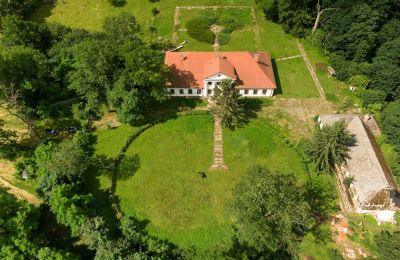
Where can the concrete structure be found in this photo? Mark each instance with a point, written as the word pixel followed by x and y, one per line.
pixel 197 74
pixel 374 187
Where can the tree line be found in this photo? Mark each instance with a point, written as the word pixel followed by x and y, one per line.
pixel 362 41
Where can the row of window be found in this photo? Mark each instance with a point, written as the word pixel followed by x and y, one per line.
pixel 180 91
pixel 255 92
pixel 209 91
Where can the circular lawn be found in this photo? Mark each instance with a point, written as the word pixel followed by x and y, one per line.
pixel 167 192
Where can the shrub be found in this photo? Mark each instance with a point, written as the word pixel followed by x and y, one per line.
pixel 224 38
pixel 155 11
pixel 117 3
pixel 373 96
pixel 348 181
pixel 199 29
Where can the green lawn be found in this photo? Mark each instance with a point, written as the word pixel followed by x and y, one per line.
pixel 274 40
pixel 294 80
pixel 90 14
pixel 335 90
pixel 241 40
pixel 166 190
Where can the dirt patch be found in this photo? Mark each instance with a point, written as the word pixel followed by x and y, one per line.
pixel 340 229
pixel 215 28
pixel 297 115
pixel 109 119
pixel 6 177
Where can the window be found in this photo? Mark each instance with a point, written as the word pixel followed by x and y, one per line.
pixel 199 91
pixel 209 92
pixel 255 91
pixel 181 91
pixel 209 83
pixel 190 92
pixel 264 92
pixel 246 91
pixel 172 91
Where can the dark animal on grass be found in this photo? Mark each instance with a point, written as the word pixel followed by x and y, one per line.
pixel 202 174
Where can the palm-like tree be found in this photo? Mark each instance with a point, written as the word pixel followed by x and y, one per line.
pixel 330 147
pixel 226 106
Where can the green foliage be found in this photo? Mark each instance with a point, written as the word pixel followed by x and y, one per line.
pixel 17 7
pixel 19 32
pixel 69 207
pixel 391 123
pixel 226 105
pixel 348 181
pixel 329 147
pixel 20 236
pixel 8 142
pixel 66 164
pixel 199 29
pixel 321 196
pixel 372 96
pixel 117 3
pixel 224 38
pixel 387 244
pixel 271 214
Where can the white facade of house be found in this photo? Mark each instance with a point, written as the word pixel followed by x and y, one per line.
pixel 213 81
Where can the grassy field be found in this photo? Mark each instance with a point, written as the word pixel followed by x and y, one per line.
pixel 294 80
pixel 90 14
pixel 167 191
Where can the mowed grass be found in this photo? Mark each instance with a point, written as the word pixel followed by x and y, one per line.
pixel 90 14
pixel 179 205
pixel 108 145
pixel 335 90
pixel 294 80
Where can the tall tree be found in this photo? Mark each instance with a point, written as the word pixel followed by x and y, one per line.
pixel 329 146
pixel 22 75
pixel 391 123
pixel 226 104
pixel 271 214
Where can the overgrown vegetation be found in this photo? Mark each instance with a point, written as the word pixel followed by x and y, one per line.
pixel 199 28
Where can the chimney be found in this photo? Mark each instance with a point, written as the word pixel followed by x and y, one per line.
pixel 183 57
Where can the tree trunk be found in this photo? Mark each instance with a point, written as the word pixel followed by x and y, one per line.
pixel 319 13
pixel 315 27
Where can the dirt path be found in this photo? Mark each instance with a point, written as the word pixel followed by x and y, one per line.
pixel 290 57
pixel 311 70
pixel 6 175
pixel 218 164
pixel 256 29
pixel 349 250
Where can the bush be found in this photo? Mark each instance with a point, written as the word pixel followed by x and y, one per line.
pixel 199 29
pixel 155 11
pixel 372 96
pixel 117 3
pixel 224 38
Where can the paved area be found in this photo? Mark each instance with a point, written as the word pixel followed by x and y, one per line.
pixel 218 164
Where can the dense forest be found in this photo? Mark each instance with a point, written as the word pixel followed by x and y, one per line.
pixel 49 71
pixel 362 41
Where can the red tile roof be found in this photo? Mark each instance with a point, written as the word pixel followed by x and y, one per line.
pixel 249 69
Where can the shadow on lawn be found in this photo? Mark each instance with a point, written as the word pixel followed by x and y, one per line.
pixel 43 10
pixel 278 89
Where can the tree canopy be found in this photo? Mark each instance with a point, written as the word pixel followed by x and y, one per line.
pixel 226 105
pixel 329 147
pixel 271 214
